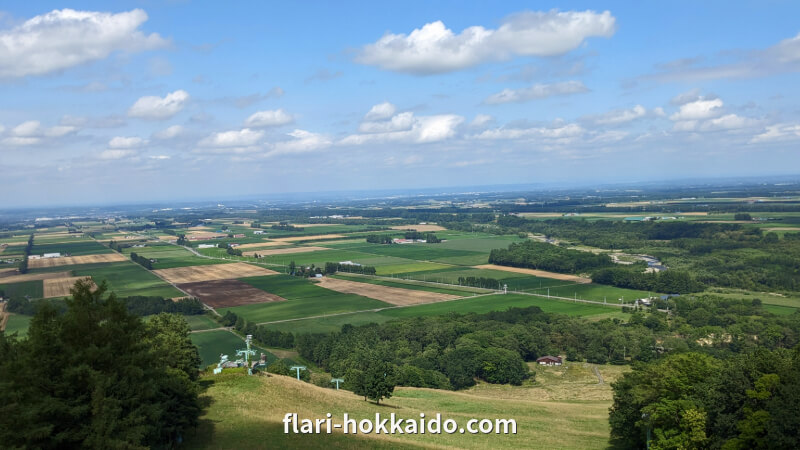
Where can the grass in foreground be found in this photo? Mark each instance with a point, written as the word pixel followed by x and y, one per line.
pixel 246 412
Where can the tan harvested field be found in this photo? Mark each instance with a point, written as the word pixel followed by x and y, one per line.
pixel 228 293
pixel 537 273
pixel 699 213
pixel 782 229
pixel 301 225
pixel 166 237
pixel 420 228
pixel 14 242
pixel 199 228
pixel 393 295
pixel 261 244
pixel 72 260
pixel 315 237
pixel 9 271
pixel 194 274
pixel 16 277
pixel 204 235
pixel 59 287
pixel 284 251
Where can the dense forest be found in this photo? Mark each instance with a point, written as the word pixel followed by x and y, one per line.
pixel 543 256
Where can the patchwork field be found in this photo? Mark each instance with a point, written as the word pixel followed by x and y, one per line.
pixel 13 276
pixel 537 273
pixel 316 237
pixel 74 260
pixel 193 274
pixel 394 295
pixel 127 278
pixel 262 244
pixel 59 287
pixel 284 251
pixel 228 293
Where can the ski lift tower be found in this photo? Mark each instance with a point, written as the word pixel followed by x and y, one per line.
pixel 247 352
pixel 505 289
pixel 222 360
pixel 298 369
pixel 337 381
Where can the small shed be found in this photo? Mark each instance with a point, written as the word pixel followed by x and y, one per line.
pixel 550 360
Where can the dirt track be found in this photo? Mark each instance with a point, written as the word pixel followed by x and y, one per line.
pixel 72 260
pixel 59 287
pixel 228 293
pixel 194 274
pixel 393 295
pixel 537 273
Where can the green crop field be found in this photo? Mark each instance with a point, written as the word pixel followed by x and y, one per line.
pixel 411 284
pixel 597 292
pixel 246 412
pixel 211 344
pixel 18 324
pixel 33 289
pixel 72 248
pixel 170 256
pixel 127 278
pixel 479 304
pixel 304 299
pixel 201 322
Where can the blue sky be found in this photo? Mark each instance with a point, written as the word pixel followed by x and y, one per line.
pixel 153 101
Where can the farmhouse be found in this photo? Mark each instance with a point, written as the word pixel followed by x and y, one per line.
pixel 550 360
pixel 258 232
pixel 238 235
pixel 348 263
pixel 46 255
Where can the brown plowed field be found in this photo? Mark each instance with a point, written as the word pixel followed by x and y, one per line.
pixel 228 293
pixel 72 260
pixel 420 228
pixel 537 273
pixel 261 244
pixel 194 274
pixel 59 287
pixel 284 251
pixel 16 277
pixel 388 294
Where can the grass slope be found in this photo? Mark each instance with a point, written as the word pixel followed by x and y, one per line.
pixel 246 412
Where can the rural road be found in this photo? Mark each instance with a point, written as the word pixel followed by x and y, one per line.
pixel 598 375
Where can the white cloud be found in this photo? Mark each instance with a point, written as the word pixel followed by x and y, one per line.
pixel 59 131
pixel 16 141
pixel 729 122
pixel 236 138
pixel 169 132
pixel 302 142
pixel 34 129
pixel 66 38
pixel 558 131
pixel 116 154
pixel 535 92
pixel 269 119
pixel 381 111
pixel 29 128
pixel 436 49
pixel 160 157
pixel 156 108
pixel 481 120
pixel 126 142
pixel 621 116
pixel 778 132
pixel 698 110
pixel 400 122
pixel 405 127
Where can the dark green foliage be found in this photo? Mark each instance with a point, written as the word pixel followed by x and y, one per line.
pixel 742 216
pixel 332 267
pixel 481 282
pixel 543 256
pixel 138 305
pixel 142 260
pixel 669 282
pixel 97 377
pixel 283 226
pixel 379 239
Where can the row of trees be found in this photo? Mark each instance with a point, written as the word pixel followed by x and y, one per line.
pixel 332 267
pixel 481 282
pixel 379 238
pixel 23 265
pixel 229 250
pixel 142 260
pixel 261 334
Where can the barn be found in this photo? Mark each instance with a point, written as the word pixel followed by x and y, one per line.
pixel 550 360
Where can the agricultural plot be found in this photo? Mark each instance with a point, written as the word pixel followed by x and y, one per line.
pixel 228 293
pixel 265 244
pixel 59 287
pixel 211 344
pixel 75 260
pixel 193 274
pixel 596 292
pixel 201 322
pixel 31 289
pixel 412 284
pixel 513 280
pixel 311 237
pixel 537 273
pixel 127 278
pixel 284 251
pixel 13 276
pixel 170 256
pixel 71 248
pixel 304 299
pixel 394 295
pixel 420 228
pixel 18 324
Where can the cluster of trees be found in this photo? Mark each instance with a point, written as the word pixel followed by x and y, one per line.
pixel 379 239
pixel 182 240
pixel 481 282
pixel 332 267
pixel 668 282
pixel 543 256
pixel 283 226
pixel 742 216
pixel 262 335
pixel 303 271
pixel 694 400
pixel 429 238
pixel 96 376
pixel 142 260
pixel 229 250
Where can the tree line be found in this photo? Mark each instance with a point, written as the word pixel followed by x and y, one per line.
pixel 142 260
pixel 138 305
pixel 23 265
pixel 543 256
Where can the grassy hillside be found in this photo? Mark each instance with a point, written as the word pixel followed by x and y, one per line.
pixel 246 412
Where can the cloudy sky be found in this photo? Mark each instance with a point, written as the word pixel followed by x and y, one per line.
pixel 148 101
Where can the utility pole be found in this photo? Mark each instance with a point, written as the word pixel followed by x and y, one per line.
pixel 298 369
